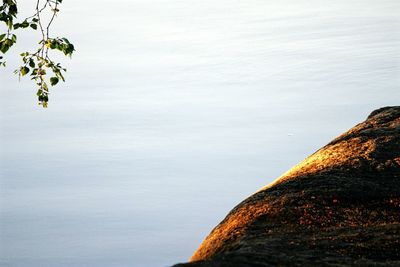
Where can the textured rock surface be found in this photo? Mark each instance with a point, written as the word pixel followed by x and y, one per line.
pixel 340 206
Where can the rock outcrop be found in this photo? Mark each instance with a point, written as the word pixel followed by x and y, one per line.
pixel 338 207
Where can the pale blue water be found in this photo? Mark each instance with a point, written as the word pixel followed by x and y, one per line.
pixel 173 112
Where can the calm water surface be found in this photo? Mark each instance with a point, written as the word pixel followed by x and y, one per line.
pixel 173 112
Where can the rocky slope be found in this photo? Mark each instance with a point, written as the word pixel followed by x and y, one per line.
pixel 340 206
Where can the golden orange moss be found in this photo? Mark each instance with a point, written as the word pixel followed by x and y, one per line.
pixel 347 152
pixel 232 227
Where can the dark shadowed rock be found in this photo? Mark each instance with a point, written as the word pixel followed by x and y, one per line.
pixel 340 206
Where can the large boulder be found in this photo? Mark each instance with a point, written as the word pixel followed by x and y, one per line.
pixel 340 206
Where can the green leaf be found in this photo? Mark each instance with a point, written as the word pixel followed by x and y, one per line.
pixel 34 26
pixel 31 63
pixel 53 81
pixel 24 24
pixel 12 9
pixel 52 44
pixel 61 76
pixel 4 46
pixel 24 70
pixel 2 36
pixel 10 24
pixel 44 86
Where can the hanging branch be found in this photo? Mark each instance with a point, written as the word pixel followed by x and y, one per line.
pixel 38 63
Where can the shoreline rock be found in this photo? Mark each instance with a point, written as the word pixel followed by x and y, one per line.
pixel 338 207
